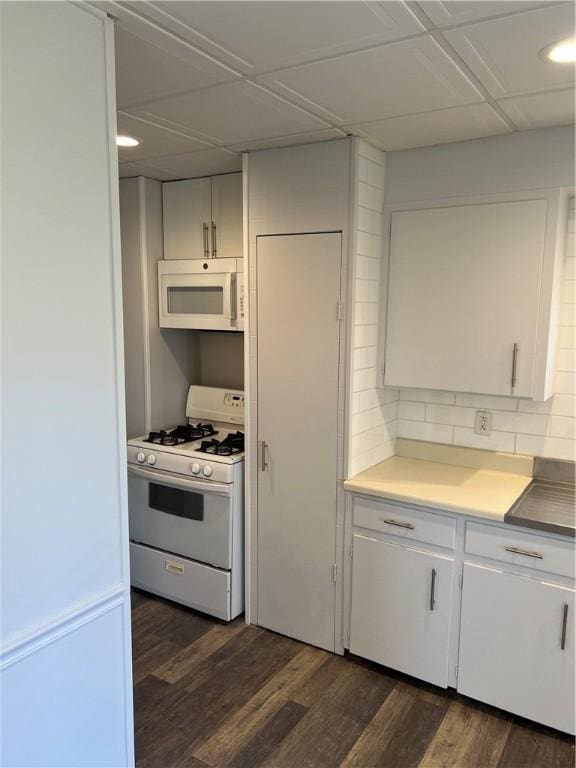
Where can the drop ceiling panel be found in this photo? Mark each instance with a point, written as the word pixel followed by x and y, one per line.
pixel 447 12
pixel 504 53
pixel 541 110
pixel 233 113
pixel 440 127
pixel 309 137
pixel 145 71
pixel 129 170
pixel 391 80
pixel 259 36
pixel 154 140
pixel 203 163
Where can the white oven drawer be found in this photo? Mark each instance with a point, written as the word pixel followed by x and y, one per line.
pixel 189 517
pixel 184 581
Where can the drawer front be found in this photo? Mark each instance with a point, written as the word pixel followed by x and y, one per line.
pixel 199 586
pixel 518 548
pixel 405 522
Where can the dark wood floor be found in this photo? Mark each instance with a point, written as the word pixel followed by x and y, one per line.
pixel 213 694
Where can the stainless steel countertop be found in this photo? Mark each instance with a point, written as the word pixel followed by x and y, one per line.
pixel 547 504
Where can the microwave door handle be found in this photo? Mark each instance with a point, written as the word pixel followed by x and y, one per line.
pixel 227 310
pixel 192 484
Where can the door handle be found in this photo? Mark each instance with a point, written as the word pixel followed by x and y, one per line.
pixel 214 249
pixel 398 523
pixel 263 462
pixel 564 626
pixel 525 552
pixel 433 589
pixel 205 240
pixel 514 377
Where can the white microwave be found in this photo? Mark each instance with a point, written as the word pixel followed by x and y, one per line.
pixel 201 294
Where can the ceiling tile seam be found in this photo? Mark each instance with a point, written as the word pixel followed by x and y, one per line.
pixel 543 92
pixel 166 129
pixel 473 22
pixel 414 114
pixel 464 68
pixel 127 15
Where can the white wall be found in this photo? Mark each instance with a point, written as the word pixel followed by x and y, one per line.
pixel 521 161
pixel 65 653
pixel 373 410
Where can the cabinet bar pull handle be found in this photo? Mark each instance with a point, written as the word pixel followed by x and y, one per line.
pixel 564 625
pixel 399 523
pixel 514 378
pixel 433 589
pixel 517 551
pixel 205 239
pixel 263 462
pixel 214 249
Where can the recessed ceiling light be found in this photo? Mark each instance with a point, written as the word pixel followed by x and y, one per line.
pixel 563 52
pixel 126 141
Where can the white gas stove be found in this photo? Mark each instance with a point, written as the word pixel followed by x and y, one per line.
pixel 185 494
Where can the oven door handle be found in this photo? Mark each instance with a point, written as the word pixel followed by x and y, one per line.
pixel 192 484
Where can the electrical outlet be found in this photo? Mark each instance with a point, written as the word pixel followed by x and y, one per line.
pixel 483 423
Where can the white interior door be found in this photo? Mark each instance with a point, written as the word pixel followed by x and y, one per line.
pixel 298 362
pixel 464 288
pixel 187 215
pixel 517 645
pixel 401 608
pixel 227 241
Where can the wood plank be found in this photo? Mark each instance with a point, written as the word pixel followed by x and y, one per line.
pixel 241 727
pixel 469 735
pixel 343 709
pixel 414 733
pixel 188 660
pixel 533 746
pixel 264 742
pixel 147 662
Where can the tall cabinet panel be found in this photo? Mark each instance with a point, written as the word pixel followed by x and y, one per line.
pixel 227 216
pixel 298 279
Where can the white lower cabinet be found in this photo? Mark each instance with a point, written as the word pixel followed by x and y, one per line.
pixel 517 645
pixel 401 608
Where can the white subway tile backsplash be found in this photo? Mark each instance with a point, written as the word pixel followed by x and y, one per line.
pixel 365 336
pixel 570 266
pixel 567 337
pixel 367 268
pixel 369 152
pixel 370 221
pixel 569 292
pixel 551 447
pixel 364 357
pixel 367 290
pixel 420 430
pixel 496 441
pixel 450 414
pixel 487 402
pixel 566 360
pixel 363 379
pixel 563 426
pixel 370 172
pixel 561 405
pixel 366 313
pixel 370 197
pixel 567 314
pixel 427 396
pixel 412 411
pixel 528 423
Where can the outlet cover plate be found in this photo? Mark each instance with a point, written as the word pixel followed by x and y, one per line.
pixel 483 423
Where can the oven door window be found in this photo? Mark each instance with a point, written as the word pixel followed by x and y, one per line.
pixel 175 501
pixel 196 300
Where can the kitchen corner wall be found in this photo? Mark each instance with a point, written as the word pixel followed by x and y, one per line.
pixel 518 426
pixel 373 410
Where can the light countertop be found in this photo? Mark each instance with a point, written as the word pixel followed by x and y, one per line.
pixel 475 491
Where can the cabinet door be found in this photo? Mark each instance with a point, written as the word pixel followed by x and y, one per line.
pixel 298 377
pixel 226 233
pixel 517 645
pixel 187 216
pixel 401 608
pixel 464 288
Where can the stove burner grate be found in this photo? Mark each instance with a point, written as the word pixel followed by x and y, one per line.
pixel 184 433
pixel 230 446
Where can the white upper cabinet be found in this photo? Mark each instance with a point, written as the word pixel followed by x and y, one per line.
pixel 473 294
pixel 203 217
pixel 226 231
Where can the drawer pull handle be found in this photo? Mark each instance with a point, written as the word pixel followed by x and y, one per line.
pixel 527 553
pixel 433 589
pixel 173 567
pixel 564 626
pixel 399 523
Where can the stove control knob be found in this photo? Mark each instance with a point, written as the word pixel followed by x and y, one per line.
pixel 195 468
pixel 207 470
pixel 151 459
pixel 141 457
